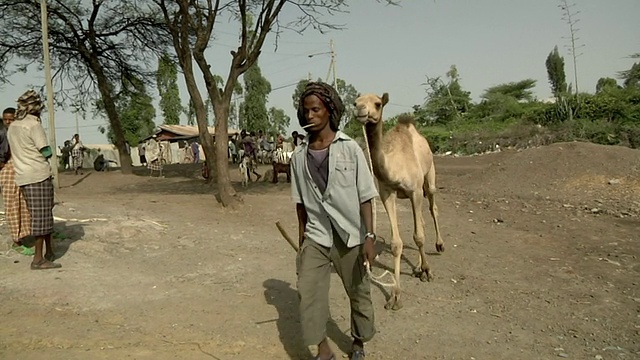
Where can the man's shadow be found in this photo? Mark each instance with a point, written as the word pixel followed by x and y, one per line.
pixel 286 301
pixel 63 236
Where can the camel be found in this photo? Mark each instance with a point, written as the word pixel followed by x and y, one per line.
pixel 403 164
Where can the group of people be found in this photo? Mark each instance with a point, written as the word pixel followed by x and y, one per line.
pixel 25 178
pixel 73 154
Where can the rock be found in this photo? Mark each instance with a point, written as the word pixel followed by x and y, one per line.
pixel 563 355
pixel 614 182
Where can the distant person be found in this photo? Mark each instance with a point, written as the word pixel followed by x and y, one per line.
pixel 101 164
pixel 250 150
pixel 66 154
pixel 233 151
pixel 141 153
pixel 31 152
pixel 77 154
pixel 195 147
pixel 16 212
pixel 294 138
pixel 154 156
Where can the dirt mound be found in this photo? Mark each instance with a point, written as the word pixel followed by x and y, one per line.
pixel 583 174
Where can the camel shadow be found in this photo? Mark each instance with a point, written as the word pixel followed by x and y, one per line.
pixel 285 299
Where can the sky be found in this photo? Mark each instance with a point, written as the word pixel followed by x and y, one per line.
pixel 394 48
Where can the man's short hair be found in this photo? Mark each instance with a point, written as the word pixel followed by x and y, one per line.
pixel 9 110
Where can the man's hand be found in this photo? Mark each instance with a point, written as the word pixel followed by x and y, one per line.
pixel 369 250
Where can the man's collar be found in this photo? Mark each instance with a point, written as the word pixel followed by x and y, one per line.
pixel 339 136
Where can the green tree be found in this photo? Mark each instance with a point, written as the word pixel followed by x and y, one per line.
pixel 631 77
pixel 136 112
pixel 446 102
pixel 191 24
pixel 278 121
pixel 253 111
pixel 504 101
pixel 190 112
pixel 94 44
pixel 167 82
pixel 606 83
pixel 520 90
pixel 555 72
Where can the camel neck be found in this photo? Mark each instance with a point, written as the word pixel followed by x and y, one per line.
pixel 374 137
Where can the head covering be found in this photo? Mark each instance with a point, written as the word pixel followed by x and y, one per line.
pixel 329 97
pixel 29 104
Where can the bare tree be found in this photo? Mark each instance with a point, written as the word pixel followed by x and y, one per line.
pixel 192 22
pixel 570 18
pixel 94 45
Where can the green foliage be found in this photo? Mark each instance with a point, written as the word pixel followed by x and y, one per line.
pixel 190 112
pixel 446 102
pixel 136 111
pixel 278 121
pixel 167 82
pixel 606 83
pixel 556 74
pixel 519 91
pixel 253 111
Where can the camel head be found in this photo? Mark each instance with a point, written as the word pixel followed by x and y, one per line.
pixel 368 108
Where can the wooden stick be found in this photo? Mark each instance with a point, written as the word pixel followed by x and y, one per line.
pixel 293 244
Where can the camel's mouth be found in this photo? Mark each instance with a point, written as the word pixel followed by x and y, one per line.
pixel 363 119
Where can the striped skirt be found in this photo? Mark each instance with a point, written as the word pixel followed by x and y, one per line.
pixel 39 197
pixel 155 165
pixel 15 207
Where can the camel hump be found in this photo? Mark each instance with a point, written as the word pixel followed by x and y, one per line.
pixel 407 119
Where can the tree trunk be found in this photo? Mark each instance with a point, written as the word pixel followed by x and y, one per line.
pixel 114 118
pixel 228 195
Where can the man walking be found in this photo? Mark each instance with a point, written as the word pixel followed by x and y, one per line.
pixel 332 188
pixel 30 153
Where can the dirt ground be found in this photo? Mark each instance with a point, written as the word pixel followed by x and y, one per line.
pixel 541 261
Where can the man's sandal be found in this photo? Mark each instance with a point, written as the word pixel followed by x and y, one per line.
pixel 44 264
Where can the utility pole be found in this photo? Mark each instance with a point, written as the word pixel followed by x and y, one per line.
pixel 49 83
pixel 77 125
pixel 332 65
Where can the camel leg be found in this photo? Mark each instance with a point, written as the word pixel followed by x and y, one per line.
pixel 430 191
pixel 389 201
pixel 423 271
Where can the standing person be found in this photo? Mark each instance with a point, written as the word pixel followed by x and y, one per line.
pixel 15 206
pixel 77 154
pixel 332 188
pixel 30 152
pixel 196 151
pixel 141 153
pixel 154 156
pixel 233 153
pixel 249 145
pixel 66 154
